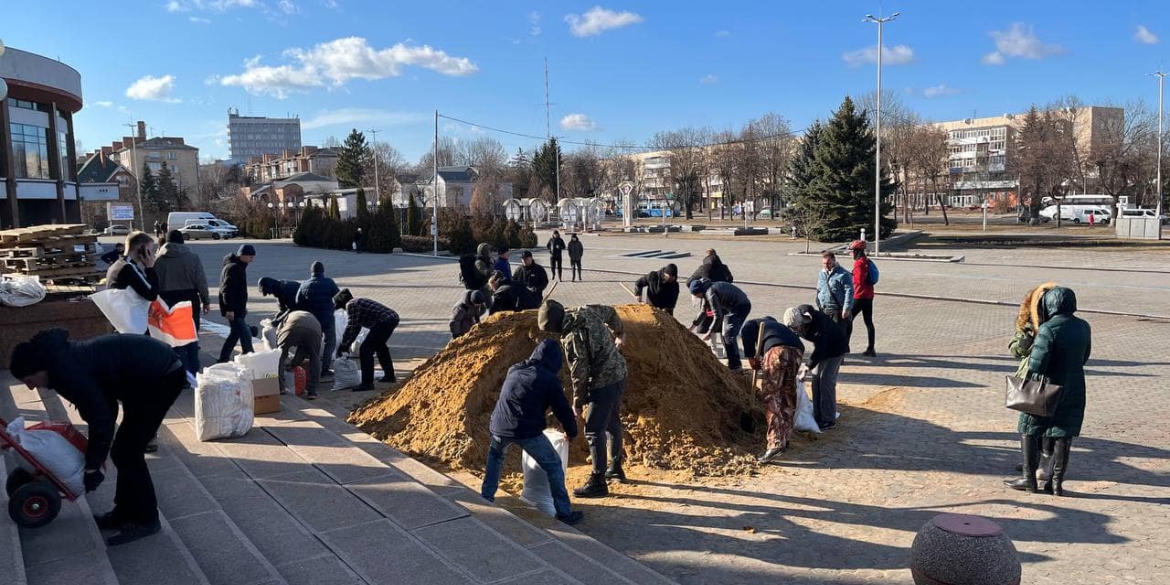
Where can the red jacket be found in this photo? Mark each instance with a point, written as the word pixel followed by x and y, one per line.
pixel 862 289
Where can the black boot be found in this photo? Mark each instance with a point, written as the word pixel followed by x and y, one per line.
pixel 594 488
pixel 1044 471
pixel 616 472
pixel 1031 448
pixel 1060 453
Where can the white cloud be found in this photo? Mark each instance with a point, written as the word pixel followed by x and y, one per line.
pixel 210 5
pixel 598 20
pixel 534 23
pixel 104 104
pixel 1144 36
pixel 338 61
pixel 722 34
pixel 1019 41
pixel 287 7
pixel 176 6
pixel 896 55
pixel 199 20
pixel 153 88
pixel 941 89
pixel 331 4
pixel 578 122
pixel 709 79
pixel 362 117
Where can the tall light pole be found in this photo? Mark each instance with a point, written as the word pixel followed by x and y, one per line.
pixel 135 173
pixel 435 188
pixel 1158 208
pixel 377 182
pixel 877 178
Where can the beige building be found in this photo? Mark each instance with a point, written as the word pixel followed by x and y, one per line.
pixel 182 159
pixel 309 159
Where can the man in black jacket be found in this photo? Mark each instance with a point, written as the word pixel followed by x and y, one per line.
pixel 233 300
pixel 142 374
pixel 713 269
pixel 181 278
pixel 285 292
pixel 661 288
pixel 316 296
pixel 829 348
pixel 531 275
pixel 556 246
pixel 530 390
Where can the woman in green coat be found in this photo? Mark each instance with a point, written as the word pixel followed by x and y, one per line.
pixel 1062 346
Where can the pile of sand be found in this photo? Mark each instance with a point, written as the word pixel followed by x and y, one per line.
pixel 681 409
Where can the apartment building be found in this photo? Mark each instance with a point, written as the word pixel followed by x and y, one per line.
pixel 181 158
pixel 250 136
pixel 308 159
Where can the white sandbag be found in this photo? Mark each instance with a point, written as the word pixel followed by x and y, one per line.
pixel 268 334
pixel 339 321
pixel 223 402
pixel 261 364
pixel 347 373
pixel 537 492
pixel 18 290
pixel 52 451
pixel 805 421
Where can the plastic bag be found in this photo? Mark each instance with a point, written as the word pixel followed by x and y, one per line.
pixel 52 451
pixel 537 492
pixel 223 402
pixel 18 290
pixel 126 310
pixel 347 373
pixel 804 411
pixel 268 334
pixel 260 364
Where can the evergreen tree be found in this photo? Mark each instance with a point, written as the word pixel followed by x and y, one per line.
pixel 168 193
pixel 837 187
pixel 544 165
pixel 363 209
pixel 413 216
pixel 334 210
pixel 351 162
pixel 151 199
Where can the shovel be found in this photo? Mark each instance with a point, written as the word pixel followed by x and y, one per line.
pixel 747 419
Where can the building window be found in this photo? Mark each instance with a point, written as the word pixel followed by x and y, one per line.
pixel 30 151
pixel 27 105
pixel 63 155
pixel 170 156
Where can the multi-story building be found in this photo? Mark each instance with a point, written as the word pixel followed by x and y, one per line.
pixel 181 159
pixel 37 153
pixel 250 136
pixel 309 159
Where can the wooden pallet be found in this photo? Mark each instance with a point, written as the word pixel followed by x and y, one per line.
pixel 50 242
pixel 70 273
pixel 37 264
pixel 47 253
pixel 38 233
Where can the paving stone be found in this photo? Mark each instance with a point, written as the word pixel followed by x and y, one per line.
pixel 82 568
pixel 279 537
pixel 545 577
pixel 261 455
pixel 381 552
pixel 321 570
pixel 178 494
pixel 407 503
pixel 478 549
pixel 614 560
pixel 318 502
pixel 328 452
pixel 69 534
pixel 495 517
pixel 160 558
pixel 576 564
pixel 224 557
pixel 202 459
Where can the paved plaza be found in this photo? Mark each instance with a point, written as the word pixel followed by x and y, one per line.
pixel 923 429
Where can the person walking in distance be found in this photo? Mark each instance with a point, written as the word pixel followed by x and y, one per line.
pixel 835 293
pixel 316 296
pixel 864 279
pixel 1062 347
pixel 576 250
pixel 779 357
pixel 531 389
pixel 233 300
pixel 729 309
pixel 181 278
pixel 555 245
pixel 661 288
pixel 300 329
pixel 829 349
pixel 592 336
pixel 381 321
pixel 141 375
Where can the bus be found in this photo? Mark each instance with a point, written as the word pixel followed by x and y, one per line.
pixel 1077 208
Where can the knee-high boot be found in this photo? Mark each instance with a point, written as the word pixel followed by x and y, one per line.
pixel 1044 471
pixel 1030 445
pixel 1060 453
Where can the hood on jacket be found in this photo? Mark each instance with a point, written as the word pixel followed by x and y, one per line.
pixel 1031 310
pixel 174 250
pixel 547 356
pixel 1060 301
pixel 269 286
pixel 473 297
pixel 232 259
pixel 39 353
pixel 484 250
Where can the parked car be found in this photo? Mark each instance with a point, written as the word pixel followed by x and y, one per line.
pixel 116 230
pixel 1078 213
pixel 225 229
pixel 1139 212
pixel 199 232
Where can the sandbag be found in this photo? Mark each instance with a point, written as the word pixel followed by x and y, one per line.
pixel 347 373
pixel 126 310
pixel 260 364
pixel 268 334
pixel 18 290
pixel 537 492
pixel 223 402
pixel 52 451
pixel 805 421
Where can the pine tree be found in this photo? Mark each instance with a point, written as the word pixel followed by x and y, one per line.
pixel 334 210
pixel 413 216
pixel 168 193
pixel 151 196
pixel 363 209
pixel 838 186
pixel 544 165
pixel 350 163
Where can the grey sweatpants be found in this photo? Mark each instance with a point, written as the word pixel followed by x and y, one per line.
pixel 824 390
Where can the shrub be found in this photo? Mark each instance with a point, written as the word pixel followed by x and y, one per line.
pixel 527 237
pixel 383 234
pixel 422 244
pixel 512 234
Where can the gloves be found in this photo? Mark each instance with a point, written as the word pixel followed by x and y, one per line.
pixel 93 479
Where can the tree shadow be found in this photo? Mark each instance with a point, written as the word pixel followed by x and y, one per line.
pixel 986 363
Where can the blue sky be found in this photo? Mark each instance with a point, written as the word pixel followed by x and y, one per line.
pixel 620 70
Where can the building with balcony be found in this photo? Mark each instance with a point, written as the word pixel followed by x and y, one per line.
pixel 181 159
pixel 309 159
pixel 37 154
pixel 250 136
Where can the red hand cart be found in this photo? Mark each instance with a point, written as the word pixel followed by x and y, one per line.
pixel 34 498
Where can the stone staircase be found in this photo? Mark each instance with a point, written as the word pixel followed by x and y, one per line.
pixel 304 498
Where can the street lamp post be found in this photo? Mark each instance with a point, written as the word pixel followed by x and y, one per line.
pixel 1158 208
pixel 377 182
pixel 877 179
pixel 135 173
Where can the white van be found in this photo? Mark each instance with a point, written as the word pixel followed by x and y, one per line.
pixel 177 219
pixel 1078 213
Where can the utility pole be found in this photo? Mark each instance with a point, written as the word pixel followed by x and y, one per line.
pixel 435 189
pixel 377 182
pixel 1158 208
pixel 877 175
pixel 135 173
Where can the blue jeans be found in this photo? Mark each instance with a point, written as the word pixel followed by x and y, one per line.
pixel 540 449
pixel 330 331
pixel 238 331
pixel 732 323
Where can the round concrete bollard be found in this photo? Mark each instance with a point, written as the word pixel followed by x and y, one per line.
pixel 959 549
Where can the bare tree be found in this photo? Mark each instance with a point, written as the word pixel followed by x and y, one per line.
pixel 924 151
pixel 688 165
pixel 1045 157
pixel 776 146
pixel 725 160
pixel 447 149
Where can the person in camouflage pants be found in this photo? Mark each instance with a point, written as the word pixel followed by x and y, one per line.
pixel 592 336
pixel 780 355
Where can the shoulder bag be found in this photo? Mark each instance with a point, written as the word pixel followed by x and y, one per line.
pixel 1035 397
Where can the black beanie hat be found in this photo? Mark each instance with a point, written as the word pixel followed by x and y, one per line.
pixel 317 269
pixel 174 237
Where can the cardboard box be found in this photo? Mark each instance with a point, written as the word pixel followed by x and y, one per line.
pixel 267 395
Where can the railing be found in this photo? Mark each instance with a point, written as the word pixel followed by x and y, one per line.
pixel 280 233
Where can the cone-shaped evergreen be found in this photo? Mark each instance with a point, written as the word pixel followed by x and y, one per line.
pixel 350 172
pixel 836 186
pixel 363 209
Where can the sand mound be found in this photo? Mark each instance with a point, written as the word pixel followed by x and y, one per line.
pixel 680 412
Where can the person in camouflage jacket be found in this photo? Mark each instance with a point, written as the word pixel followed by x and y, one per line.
pixel 592 336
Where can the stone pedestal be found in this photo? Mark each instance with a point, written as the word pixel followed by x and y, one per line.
pixel 958 549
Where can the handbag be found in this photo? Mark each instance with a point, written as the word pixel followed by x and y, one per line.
pixel 1035 397
pixel 127 311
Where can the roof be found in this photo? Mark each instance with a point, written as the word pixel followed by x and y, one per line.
pixel 462 174
pixel 160 143
pixel 307 178
pixel 406 178
pixel 98 169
